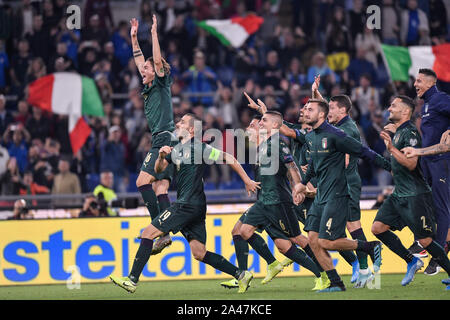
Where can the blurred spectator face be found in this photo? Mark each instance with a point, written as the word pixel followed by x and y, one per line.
pixel 294 92
pixel 17 136
pixel 107 108
pixel 2 102
pixel 412 4
pixel 37 113
pixel 37 65
pixel 28 178
pixel 288 37
pixel 198 111
pixel 115 135
pixel 199 60
pixel 272 58
pixel 294 67
pixel 357 5
pixel 37 23
pixel 48 6
pixel 63 166
pixel 240 8
pixel 319 59
pixel 148 73
pixel 61 48
pixel 270 102
pixel 339 14
pixel 22 107
pixel 109 47
pixel 60 64
pixel 33 152
pixel 107 179
pixel 226 94
pixel 90 56
pixel 94 21
pixel 25 3
pixel 170 3
pixel 387 2
pixel 23 46
pixel 364 82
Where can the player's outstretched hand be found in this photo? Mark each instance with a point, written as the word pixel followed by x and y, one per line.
pixel 445 138
pixel 134 27
pixel 316 83
pixel 251 186
pixel 252 104
pixel 165 151
pixel 154 25
pixel 262 105
pixel 410 152
pixel 387 139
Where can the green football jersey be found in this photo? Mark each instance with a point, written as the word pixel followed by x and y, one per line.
pixel 158 105
pixel 273 155
pixel 407 183
pixel 189 159
pixel 328 146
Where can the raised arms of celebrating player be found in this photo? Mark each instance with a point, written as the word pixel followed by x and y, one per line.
pixel 139 58
pixel 156 49
pixel 442 147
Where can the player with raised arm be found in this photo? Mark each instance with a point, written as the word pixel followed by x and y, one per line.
pixel 327 217
pixel 188 213
pixel 339 116
pixel 155 72
pixel 411 203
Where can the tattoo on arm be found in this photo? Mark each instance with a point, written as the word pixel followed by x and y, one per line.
pixel 293 174
pixel 436 149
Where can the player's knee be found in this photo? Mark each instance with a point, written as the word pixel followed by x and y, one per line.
pixel 378 228
pixel 161 187
pixel 144 179
pixel 246 232
pixel 236 229
pixel 198 252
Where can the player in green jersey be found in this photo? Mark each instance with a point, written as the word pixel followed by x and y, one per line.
pixel 326 221
pixel 411 203
pixel 339 116
pixel 188 213
pixel 155 72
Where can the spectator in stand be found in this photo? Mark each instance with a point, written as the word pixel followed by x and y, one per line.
pixel 414 28
pixel 116 67
pixel 36 70
pixel 80 167
pixel 105 193
pixel 95 31
pixel 87 57
pixel 66 182
pixel 4 65
pixel 71 38
pixel 200 79
pixel 320 67
pixel 370 43
pixel 50 18
pixel 38 37
pixel 359 66
pixel 364 95
pixel 38 125
pixel 9 181
pixel 113 156
pixel 129 77
pixel 4 159
pixel 122 43
pixel 338 38
pixel 17 145
pixel 23 19
pixel 61 52
pixel 296 73
pixel 5 116
pixel 145 144
pixel 102 10
pixel 246 61
pixel 438 19
pixel 265 32
pixel 29 187
pixel 357 17
pixel 271 72
pixel 20 63
pixel 104 87
pixel 225 107
pixel 90 208
pixel 20 212
pixel 390 20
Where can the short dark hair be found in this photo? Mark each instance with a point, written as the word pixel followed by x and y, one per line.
pixel 323 105
pixel 343 101
pixel 428 72
pixel 257 117
pixel 408 101
pixel 276 114
pixel 193 118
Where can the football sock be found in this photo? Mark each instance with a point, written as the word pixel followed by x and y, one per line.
pixel 348 255
pixel 142 256
pixel 311 254
pixel 438 253
pixel 358 234
pixel 241 249
pixel 299 256
pixel 393 242
pixel 163 202
pixel 334 278
pixel 150 200
pixel 260 246
pixel 220 263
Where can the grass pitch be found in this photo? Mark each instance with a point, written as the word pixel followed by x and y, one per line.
pixel 281 288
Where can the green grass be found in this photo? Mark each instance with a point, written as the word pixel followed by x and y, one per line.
pixel 281 288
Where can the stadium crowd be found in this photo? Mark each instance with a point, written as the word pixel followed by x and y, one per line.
pixel 277 65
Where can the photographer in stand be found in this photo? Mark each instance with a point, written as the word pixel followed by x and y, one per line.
pixel 20 211
pixel 91 208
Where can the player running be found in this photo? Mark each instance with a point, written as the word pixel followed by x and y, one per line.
pixel 155 72
pixel 411 203
pixel 188 213
pixel 339 116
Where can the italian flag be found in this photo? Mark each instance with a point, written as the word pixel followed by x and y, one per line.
pixel 233 31
pixel 68 94
pixel 403 62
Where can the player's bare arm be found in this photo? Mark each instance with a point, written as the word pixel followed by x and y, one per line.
pixel 156 49
pixel 161 163
pixel 298 189
pixel 139 58
pixel 442 147
pixel 250 185
pixel 409 163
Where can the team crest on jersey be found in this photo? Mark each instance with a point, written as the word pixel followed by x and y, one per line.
pixel 396 138
pixel 286 150
pixel 324 143
pixel 412 142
